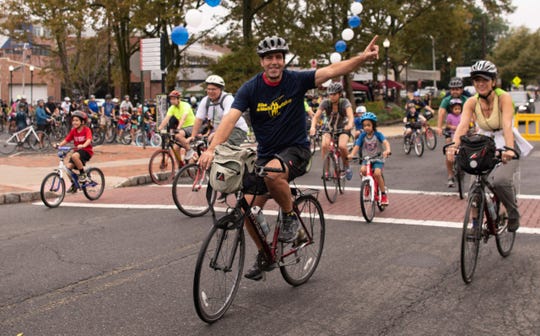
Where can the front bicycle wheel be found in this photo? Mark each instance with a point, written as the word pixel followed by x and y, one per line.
pixel 418 144
pixel 93 189
pixel 155 140
pixel 407 144
pixel 161 167
pixel 53 190
pixel 110 134
pixel 313 144
pixel 218 270
pixel 431 138
pixel 367 200
pixel 503 238
pixel 190 191
pixel 472 234
pixel 330 177
pixel 342 176
pixel 140 139
pixel 298 264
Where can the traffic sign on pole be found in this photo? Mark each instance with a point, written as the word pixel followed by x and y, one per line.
pixel 150 51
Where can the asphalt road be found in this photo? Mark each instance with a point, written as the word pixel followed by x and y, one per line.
pixel 118 271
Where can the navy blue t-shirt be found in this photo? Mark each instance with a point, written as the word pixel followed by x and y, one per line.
pixel 277 113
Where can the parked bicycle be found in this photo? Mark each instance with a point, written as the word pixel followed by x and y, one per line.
pixel 53 186
pixel 482 201
pixel 164 162
pixel 414 140
pixel 333 169
pixel 221 258
pixel 370 195
pixel 25 138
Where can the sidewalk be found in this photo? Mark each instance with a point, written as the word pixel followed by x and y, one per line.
pixel 21 173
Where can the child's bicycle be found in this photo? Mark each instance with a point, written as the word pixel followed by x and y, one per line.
pixel 415 139
pixel 370 195
pixel 459 174
pixel 430 137
pixel 333 169
pixel 53 186
pixel 482 201
pixel 221 258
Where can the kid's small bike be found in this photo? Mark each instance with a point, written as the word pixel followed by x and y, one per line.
pixel 53 186
pixel 414 140
pixel 370 195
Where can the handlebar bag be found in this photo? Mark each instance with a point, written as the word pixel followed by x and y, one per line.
pixel 476 154
pixel 229 165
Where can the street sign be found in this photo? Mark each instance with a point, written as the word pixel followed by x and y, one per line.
pixel 150 54
pixel 516 81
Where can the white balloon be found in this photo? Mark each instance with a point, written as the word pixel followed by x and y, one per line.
pixel 193 18
pixel 335 57
pixel 356 8
pixel 347 34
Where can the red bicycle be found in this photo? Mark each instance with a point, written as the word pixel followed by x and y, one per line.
pixel 333 169
pixel 370 195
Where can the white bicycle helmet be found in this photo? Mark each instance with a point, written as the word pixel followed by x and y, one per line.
pixel 484 69
pixel 334 87
pixel 455 83
pixel 272 44
pixel 216 80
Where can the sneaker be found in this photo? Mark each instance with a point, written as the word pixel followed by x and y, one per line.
pixel 384 199
pixel 189 154
pixel 255 273
pixel 83 178
pixel 451 182
pixel 513 224
pixel 289 228
pixel 348 174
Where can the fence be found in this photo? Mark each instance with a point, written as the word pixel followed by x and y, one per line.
pixel 531 129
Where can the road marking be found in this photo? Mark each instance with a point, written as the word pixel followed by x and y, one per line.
pixel 345 218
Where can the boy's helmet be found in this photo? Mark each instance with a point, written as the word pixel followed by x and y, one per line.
pixel 369 116
pixel 175 93
pixel 81 115
pixel 361 109
pixel 272 44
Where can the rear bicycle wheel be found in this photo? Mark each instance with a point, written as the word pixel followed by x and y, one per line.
pixel 367 200
pixel 155 140
pixel 218 270
pixel 161 167
pixel 504 239
pixel 471 234
pixel 52 190
pixel 190 191
pixel 93 189
pixel 431 138
pixel 330 177
pixel 110 134
pixel 298 264
pixel 418 143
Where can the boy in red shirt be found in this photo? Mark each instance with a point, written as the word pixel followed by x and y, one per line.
pixel 81 136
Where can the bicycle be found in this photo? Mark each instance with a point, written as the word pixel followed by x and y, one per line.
pixel 370 194
pixel 415 139
pixel 221 258
pixel 191 190
pixel 459 174
pixel 482 201
pixel 27 137
pixel 162 164
pixel 333 169
pixel 53 186
pixel 148 136
pixel 98 135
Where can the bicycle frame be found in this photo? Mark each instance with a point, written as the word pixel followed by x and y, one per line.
pixel 372 181
pixel 62 168
pixel 29 131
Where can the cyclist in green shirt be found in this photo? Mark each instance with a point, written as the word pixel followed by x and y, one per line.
pixel 180 116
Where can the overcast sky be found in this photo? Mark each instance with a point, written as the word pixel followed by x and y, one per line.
pixel 526 14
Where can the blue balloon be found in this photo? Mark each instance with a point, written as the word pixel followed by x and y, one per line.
pixel 179 35
pixel 357 0
pixel 341 46
pixel 354 21
pixel 213 3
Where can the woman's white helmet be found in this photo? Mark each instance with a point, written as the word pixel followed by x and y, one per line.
pixel 216 80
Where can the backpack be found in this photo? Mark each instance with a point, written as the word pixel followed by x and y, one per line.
pixel 476 154
pixel 209 103
pixel 229 165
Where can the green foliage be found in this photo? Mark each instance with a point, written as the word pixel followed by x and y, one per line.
pixel 385 115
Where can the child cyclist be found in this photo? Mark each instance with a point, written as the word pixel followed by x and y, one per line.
pixel 81 135
pixel 370 143
pixel 412 117
pixel 452 121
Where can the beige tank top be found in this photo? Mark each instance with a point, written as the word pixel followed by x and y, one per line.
pixel 494 122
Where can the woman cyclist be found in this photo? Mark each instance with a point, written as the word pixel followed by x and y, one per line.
pixel 493 110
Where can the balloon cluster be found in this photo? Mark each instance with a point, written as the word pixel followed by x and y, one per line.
pixel 194 17
pixel 347 34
